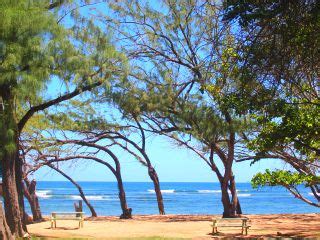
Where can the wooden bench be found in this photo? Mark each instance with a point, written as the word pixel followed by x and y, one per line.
pixel 79 216
pixel 230 222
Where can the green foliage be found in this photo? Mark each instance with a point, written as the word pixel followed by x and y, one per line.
pixel 28 36
pixel 283 178
pixel 281 58
pixel 182 42
pixel 291 125
pixel 36 52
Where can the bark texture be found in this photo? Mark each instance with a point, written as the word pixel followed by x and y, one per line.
pixel 9 153
pixel 126 212
pixel 31 196
pixel 154 177
pixel 5 232
pixel 20 191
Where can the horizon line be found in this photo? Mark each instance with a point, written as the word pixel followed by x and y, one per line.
pixel 131 181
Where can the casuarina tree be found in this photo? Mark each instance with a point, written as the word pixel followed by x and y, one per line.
pixel 35 51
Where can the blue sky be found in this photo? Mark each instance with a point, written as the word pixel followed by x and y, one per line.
pixel 172 163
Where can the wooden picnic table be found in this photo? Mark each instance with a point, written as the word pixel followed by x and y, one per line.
pixel 66 216
pixel 229 223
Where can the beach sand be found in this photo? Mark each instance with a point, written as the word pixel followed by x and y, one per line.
pixel 181 226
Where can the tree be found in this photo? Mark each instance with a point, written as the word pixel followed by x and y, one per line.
pixel 82 195
pixel 5 232
pixel 34 50
pixel 281 56
pixel 185 62
pixel 55 150
pixel 29 190
pixel 125 136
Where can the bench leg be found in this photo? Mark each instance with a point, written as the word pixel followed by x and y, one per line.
pixel 53 223
pixel 214 227
pixel 80 223
pixel 214 230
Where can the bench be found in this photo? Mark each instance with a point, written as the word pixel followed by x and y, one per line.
pixel 230 222
pixel 79 216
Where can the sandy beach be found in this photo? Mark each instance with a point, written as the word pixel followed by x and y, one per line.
pixel 181 226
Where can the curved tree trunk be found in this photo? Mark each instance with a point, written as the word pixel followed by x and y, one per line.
pixel 11 199
pixel 92 210
pixel 30 194
pixel 231 207
pixel 233 191
pixel 5 232
pixel 227 212
pixel 234 199
pixel 9 151
pixel 20 191
pixel 232 188
pixel 126 212
pixel 154 177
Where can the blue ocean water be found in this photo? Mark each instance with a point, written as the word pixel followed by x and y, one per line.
pixel 179 198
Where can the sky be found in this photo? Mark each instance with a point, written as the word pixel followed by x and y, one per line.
pixel 173 164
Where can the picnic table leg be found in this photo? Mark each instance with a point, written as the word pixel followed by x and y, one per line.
pixel 244 227
pixel 214 227
pixel 81 221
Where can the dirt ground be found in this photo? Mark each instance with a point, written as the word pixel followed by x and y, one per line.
pixel 182 226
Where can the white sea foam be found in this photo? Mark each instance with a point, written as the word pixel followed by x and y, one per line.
pixel 163 191
pixel 244 195
pixel 209 191
pixel 90 197
pixel 219 191
pixel 44 193
pixel 311 194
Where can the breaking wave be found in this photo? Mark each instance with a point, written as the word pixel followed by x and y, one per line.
pixel 91 197
pixel 163 191
pixel 44 193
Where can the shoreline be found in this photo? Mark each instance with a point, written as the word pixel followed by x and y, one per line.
pixel 182 226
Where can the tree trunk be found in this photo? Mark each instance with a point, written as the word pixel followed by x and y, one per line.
pixel 9 151
pixel 30 194
pixel 234 200
pixel 20 190
pixel 233 189
pixel 227 213
pixel 92 210
pixel 230 207
pixel 5 232
pixel 126 212
pixel 11 199
pixel 231 186
pixel 154 177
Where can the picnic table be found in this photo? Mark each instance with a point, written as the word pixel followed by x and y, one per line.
pixel 79 216
pixel 230 223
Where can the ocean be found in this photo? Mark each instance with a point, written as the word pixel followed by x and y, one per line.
pixel 179 198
